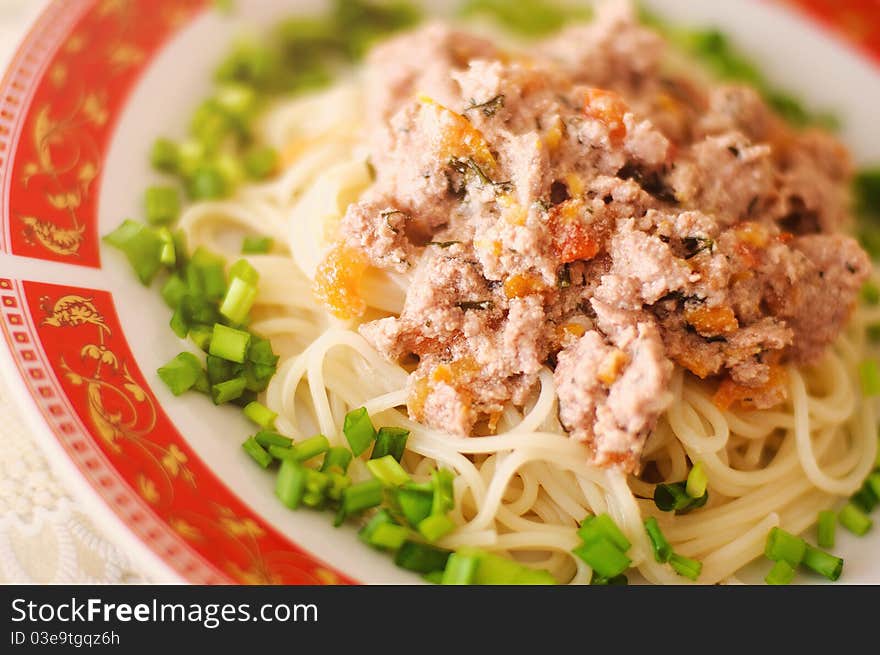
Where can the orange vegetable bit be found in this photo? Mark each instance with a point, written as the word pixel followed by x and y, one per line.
pixel 711 321
pixel 523 284
pixel 337 281
pixel 771 393
pixel 458 374
pixel 574 237
pixel 459 138
pixel 608 108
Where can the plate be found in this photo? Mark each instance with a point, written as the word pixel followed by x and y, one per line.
pixel 90 87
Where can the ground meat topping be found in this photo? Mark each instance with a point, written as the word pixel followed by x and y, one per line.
pixel 579 209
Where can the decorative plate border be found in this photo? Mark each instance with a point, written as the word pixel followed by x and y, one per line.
pixel 70 349
pixel 67 343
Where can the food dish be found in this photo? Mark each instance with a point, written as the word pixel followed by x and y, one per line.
pixel 523 486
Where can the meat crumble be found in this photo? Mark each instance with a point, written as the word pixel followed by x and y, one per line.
pixel 581 207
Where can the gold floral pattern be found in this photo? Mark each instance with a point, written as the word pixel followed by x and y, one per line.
pixel 119 408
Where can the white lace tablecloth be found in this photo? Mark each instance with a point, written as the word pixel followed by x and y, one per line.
pixel 44 538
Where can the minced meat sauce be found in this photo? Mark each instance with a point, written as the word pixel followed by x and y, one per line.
pixel 580 207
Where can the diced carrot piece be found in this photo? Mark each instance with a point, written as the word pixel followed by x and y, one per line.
pixel 459 137
pixel 774 391
pixel 712 321
pixel 608 108
pixel 522 284
pixel 573 237
pixel 337 281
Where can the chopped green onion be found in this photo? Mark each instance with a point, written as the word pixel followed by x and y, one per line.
pixel 603 556
pixel 260 162
pixel 229 344
pixel 161 204
pixel 444 491
pixel 338 484
pixel 191 155
pixel 260 414
pixel 389 535
pixel 603 527
pixel 238 101
pixel 246 398
pixel 388 471
pixel 224 392
pixel 173 291
pixel 361 496
pixel 434 577
pixel 167 255
pixel 696 481
pixel 251 63
pixel 415 503
pixel 256 451
pixel 202 385
pixel 178 238
pixel 260 352
pixel 142 247
pixel 256 245
pixel 268 438
pixel 238 301
pixel 243 269
pixel 207 183
pixel 494 569
pixel 460 569
pixel 390 441
pixel 421 558
pixel 854 520
pixel 382 517
pixel 358 430
pixel 782 545
pixel 869 372
pixel 316 486
pixel 865 499
pixel 165 156
pixel 337 460
pixel 178 323
pixel 311 447
pixel 282 452
pixel 825 529
pixel 206 275
pixel 197 309
pixel 258 376
pixel 825 564
pixel 685 566
pixel 662 548
pixel 211 125
pixel 526 17
pixel 674 497
pixel 201 336
pixel 782 573
pixel 872 482
pixel 181 373
pixel 220 370
pixel 436 526
pixel 290 485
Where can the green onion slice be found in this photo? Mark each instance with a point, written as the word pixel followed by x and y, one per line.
pixel 782 573
pixel 662 548
pixel 358 430
pixel 782 545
